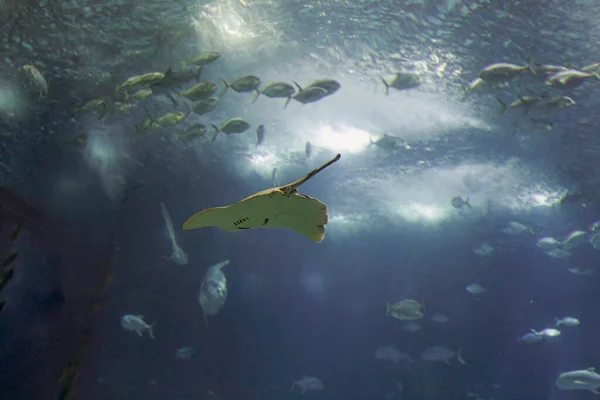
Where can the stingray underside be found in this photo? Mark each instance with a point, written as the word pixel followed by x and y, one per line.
pixel 267 209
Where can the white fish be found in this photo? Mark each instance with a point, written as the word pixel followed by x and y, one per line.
pixel 439 318
pixel 391 353
pixel 213 291
pixel 307 383
pixel 516 228
pixel 548 243
pixel 441 354
pixel 136 323
pixel 184 353
pixel 582 271
pixel 559 253
pixel 475 288
pixel 531 337
pixel 411 326
pixel 484 250
pixel 568 321
pixel 574 239
pixel 549 333
pixel 178 256
pixel 585 379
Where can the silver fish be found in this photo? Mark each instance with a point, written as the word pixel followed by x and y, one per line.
pixel 213 291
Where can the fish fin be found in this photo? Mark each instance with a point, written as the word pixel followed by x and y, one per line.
pixel 459 357
pixel 216 132
pixel 183 64
pixel 151 330
pixel 103 111
pixel 256 97
pixel 466 92
pixel 173 99
pixel 225 85
pixel 139 333
pixel 503 105
pixel 387 86
pixel 205 319
pixel 287 102
pixel 298 86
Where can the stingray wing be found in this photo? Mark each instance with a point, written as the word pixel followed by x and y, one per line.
pixel 267 209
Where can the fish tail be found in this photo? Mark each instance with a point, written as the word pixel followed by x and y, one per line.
pixel 225 85
pixel 151 330
pixel 467 202
pixel 387 86
pixel 183 64
pixel 216 132
pixel 459 357
pixel 287 102
pixel 503 105
pixel 198 74
pixel 103 111
pixel 293 385
pixel 256 97
pixel 466 92
pixel 205 319
pixel 126 97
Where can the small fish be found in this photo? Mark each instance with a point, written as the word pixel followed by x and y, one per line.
pixel 274 177
pixel 307 383
pixel 402 81
pixel 475 288
pixel 405 310
pixel 531 337
pixel 582 271
pixel 411 326
pixel 442 354
pixel 484 250
pixel 458 202
pixel 567 321
pixel 136 323
pixel 548 243
pixel 308 150
pixel 439 318
pixel 550 333
pixel 585 379
pixel 516 228
pixel 391 353
pixel 35 78
pixel 260 135
pixel 213 290
pixel 185 353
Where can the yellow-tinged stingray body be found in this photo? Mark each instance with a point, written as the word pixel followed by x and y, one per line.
pixel 281 207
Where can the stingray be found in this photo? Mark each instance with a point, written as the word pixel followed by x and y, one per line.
pixel 280 207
